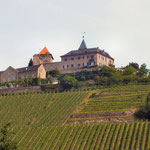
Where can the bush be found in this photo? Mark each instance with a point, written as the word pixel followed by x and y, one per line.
pixel 143 112
pixel 68 82
pixel 53 73
pixel 129 70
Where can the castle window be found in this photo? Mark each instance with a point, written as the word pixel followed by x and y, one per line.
pixel 65 59
pixel 83 57
pixel 99 56
pixel 78 65
pixel 78 58
pixel 33 75
pixel 9 79
pixel 87 57
pixel 72 65
pixel 72 58
pixel 105 59
pixel 14 77
pixel 66 66
pixel 110 61
pixel 92 63
pixel 27 76
pixel 85 64
pixel 92 56
pixel 100 64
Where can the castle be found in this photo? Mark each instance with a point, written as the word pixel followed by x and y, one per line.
pixel 74 61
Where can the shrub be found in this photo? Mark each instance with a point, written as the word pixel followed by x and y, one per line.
pixel 68 82
pixel 143 112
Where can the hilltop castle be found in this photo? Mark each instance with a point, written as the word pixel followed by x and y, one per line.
pixel 74 61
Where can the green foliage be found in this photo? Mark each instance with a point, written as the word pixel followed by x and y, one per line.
pixel 28 81
pixel 148 99
pixel 106 71
pixel 134 65
pixel 5 142
pixel 143 71
pixel 49 87
pixel 68 82
pixel 129 70
pixel 53 73
pixel 143 112
pixel 36 81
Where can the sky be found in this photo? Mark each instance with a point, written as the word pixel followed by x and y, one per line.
pixel 121 28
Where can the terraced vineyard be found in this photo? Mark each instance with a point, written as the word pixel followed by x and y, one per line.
pixel 118 98
pixel 121 136
pixel 40 121
pixel 39 109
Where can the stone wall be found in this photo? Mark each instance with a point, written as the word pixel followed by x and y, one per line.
pixel 21 90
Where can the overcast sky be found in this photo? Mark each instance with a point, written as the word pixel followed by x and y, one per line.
pixel 121 27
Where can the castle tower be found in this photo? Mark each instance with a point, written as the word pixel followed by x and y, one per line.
pixel 43 57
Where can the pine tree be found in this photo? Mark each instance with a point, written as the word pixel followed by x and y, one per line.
pixel 30 63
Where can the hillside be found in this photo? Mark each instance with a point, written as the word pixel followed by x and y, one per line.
pixel 121 99
pixel 42 121
pixel 94 136
pixel 39 109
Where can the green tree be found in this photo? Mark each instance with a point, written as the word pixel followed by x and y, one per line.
pixel 53 73
pixel 28 81
pixel 68 82
pixel 30 63
pixel 5 142
pixel 129 70
pixel 106 71
pixel 143 71
pixel 148 98
pixel 134 65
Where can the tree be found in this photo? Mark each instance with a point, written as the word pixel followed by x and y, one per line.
pixel 28 81
pixel 106 71
pixel 129 70
pixel 5 142
pixel 134 65
pixel 148 98
pixel 143 71
pixel 68 82
pixel 30 63
pixel 53 73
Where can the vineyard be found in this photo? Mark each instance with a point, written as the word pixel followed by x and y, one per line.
pixel 42 121
pixel 39 109
pixel 115 99
pixel 120 136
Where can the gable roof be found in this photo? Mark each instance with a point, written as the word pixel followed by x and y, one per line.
pixel 86 51
pixel 44 51
pixel 83 45
pixel 26 69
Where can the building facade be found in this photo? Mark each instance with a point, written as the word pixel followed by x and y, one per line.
pixel 12 74
pixel 74 61
pixel 86 58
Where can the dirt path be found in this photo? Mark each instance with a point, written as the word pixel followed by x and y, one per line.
pixel 106 114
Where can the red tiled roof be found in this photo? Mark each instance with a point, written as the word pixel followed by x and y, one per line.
pixel 44 51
